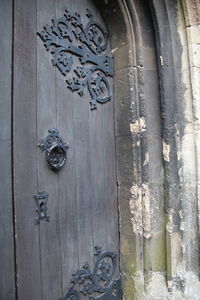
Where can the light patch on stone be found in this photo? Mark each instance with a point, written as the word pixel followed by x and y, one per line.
pixel 181 214
pixel 192 286
pixel 184 286
pixel 161 61
pixel 156 288
pixel 188 147
pixel 138 126
pixel 135 204
pixel 142 124
pixel 166 151
pixel 114 49
pixel 169 225
pixel 146 211
pixel 135 127
pixel 179 155
pixel 146 160
pixel 139 204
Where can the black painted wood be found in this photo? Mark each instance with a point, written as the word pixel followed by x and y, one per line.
pixel 7 283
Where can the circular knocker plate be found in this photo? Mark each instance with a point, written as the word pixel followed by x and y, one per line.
pixel 55 148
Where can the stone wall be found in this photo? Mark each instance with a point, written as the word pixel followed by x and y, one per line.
pixel 156 50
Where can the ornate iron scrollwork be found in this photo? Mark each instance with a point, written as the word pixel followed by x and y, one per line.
pixel 41 200
pixel 67 35
pixel 55 148
pixel 99 284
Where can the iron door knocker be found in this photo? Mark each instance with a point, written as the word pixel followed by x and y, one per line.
pixel 55 148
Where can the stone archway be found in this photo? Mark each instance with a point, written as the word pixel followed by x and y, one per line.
pixel 157 181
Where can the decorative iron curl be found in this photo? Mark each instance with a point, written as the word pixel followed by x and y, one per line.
pixel 99 282
pixel 68 37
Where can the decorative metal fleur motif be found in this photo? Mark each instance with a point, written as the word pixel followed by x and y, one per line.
pixel 99 282
pixel 68 37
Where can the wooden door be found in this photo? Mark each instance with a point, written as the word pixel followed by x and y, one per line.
pixel 65 216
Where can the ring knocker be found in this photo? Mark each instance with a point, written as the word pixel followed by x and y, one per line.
pixel 55 149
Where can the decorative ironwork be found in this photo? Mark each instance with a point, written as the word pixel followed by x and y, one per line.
pixel 41 200
pixel 98 285
pixel 68 37
pixel 55 148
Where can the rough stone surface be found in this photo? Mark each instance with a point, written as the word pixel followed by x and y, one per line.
pixel 156 50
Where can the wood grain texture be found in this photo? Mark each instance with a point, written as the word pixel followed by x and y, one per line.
pixel 83 167
pixel 7 279
pixel 51 274
pixel 82 201
pixel 25 147
pixel 98 165
pixel 66 177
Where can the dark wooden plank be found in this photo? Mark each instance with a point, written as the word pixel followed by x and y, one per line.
pixel 110 174
pixel 97 137
pixel 66 177
pixel 7 280
pixel 47 179
pixel 98 177
pixel 25 145
pixel 110 178
pixel 83 168
pixel 112 222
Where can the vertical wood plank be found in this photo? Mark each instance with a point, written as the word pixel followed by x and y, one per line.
pixel 47 179
pixel 66 177
pixel 83 168
pixel 112 221
pixel 97 136
pixel 98 178
pixel 7 278
pixel 110 178
pixel 25 144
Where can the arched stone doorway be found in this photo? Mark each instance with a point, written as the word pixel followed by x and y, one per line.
pixel 157 130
